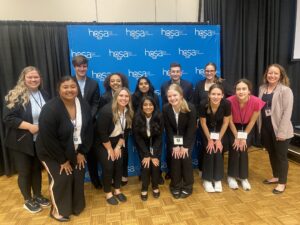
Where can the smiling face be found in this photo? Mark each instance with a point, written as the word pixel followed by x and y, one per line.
pixel 215 96
pixel 174 98
pixel 148 108
pixel 175 73
pixel 123 98
pixel 81 71
pixel 210 72
pixel 68 90
pixel 32 80
pixel 273 75
pixel 115 82
pixel 242 91
pixel 144 86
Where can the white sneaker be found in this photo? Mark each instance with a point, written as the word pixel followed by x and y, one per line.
pixel 232 183
pixel 208 187
pixel 245 184
pixel 218 186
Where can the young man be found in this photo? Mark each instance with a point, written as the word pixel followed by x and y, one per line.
pixel 175 73
pixel 90 92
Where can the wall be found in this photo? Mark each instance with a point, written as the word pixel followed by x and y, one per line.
pixel 100 10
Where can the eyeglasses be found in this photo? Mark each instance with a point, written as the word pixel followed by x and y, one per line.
pixel 209 71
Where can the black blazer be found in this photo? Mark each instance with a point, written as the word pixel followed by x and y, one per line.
pixel 143 141
pixel 186 86
pixel 186 125
pixel 19 139
pixel 105 98
pixel 55 139
pixel 91 95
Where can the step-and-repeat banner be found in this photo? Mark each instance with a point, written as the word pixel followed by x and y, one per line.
pixel 146 50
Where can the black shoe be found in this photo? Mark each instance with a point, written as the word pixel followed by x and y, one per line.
pixel 32 206
pixel 123 183
pixel 121 197
pixel 185 194
pixel 112 200
pixel 155 194
pixel 144 197
pixel 266 181
pixel 97 185
pixel 167 176
pixel 161 180
pixel 42 201
pixel 176 194
pixel 61 219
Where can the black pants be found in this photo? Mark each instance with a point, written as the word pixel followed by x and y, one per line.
pixel 67 191
pixel 182 178
pixel 277 153
pixel 111 170
pixel 29 174
pixel 213 166
pixel 125 159
pixel 92 164
pixel 153 173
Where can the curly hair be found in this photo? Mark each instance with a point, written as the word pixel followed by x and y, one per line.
pixel 20 93
pixel 106 82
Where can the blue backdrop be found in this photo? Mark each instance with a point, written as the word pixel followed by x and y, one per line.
pixel 146 50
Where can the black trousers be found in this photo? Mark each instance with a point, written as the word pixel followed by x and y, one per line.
pixel 125 159
pixel 213 166
pixel 182 178
pixel 277 153
pixel 153 173
pixel 67 191
pixel 111 170
pixel 29 174
pixel 92 164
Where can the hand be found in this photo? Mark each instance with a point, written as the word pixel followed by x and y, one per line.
pixel 236 144
pixel 111 155
pixel 243 145
pixel 210 146
pixel 146 162
pixel 80 161
pixel 155 161
pixel 219 146
pixel 117 152
pixel 184 152
pixel 66 167
pixel 176 152
pixel 33 128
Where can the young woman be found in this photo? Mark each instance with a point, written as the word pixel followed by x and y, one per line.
pixel 275 123
pixel 143 88
pixel 214 119
pixel 147 130
pixel 180 124
pixel 23 106
pixel 245 109
pixel 65 137
pixel 112 126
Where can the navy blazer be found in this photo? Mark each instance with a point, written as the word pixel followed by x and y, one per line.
pixel 91 95
pixel 19 139
pixel 186 86
pixel 186 125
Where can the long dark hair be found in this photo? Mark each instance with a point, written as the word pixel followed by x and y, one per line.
pixel 156 123
pixel 138 95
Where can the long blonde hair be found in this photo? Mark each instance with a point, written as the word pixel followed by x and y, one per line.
pixel 20 93
pixel 184 107
pixel 129 113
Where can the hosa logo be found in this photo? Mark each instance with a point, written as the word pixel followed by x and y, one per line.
pixel 100 75
pixel 138 74
pixel 200 71
pixel 154 54
pixel 188 53
pixel 100 34
pixel 165 72
pixel 88 55
pixel 137 34
pixel 120 55
pixel 171 33
pixel 157 92
pixel 204 33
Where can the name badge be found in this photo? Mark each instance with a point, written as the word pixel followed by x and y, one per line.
pixel 268 111
pixel 77 140
pixel 178 140
pixel 214 136
pixel 242 135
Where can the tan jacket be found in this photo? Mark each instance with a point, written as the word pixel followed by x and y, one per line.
pixel 281 111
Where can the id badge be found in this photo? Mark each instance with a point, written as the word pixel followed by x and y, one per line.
pixel 178 140
pixel 151 150
pixel 242 135
pixel 214 135
pixel 268 111
pixel 77 140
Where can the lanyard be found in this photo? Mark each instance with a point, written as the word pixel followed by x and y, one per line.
pixel 39 103
pixel 241 116
pixel 266 93
pixel 122 122
pixel 213 122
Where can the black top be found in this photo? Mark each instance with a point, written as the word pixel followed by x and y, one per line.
pixel 19 139
pixel 105 98
pixel 136 99
pixel 186 125
pixel 186 86
pixel 214 121
pixel 55 139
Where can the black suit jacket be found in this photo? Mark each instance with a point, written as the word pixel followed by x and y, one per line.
pixel 186 125
pixel 186 86
pixel 19 139
pixel 91 95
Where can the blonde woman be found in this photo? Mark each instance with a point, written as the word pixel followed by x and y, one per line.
pixel 180 124
pixel 23 106
pixel 112 126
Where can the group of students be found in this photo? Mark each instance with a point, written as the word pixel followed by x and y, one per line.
pixel 78 126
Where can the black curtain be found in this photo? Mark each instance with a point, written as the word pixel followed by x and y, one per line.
pixel 44 45
pixel 255 34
